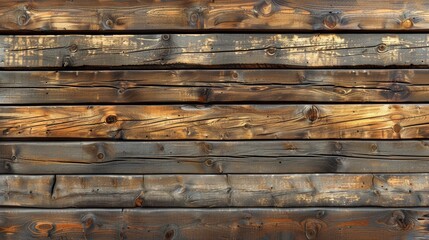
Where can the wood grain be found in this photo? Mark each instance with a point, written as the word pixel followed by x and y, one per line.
pixel 229 190
pixel 200 157
pixel 213 86
pixel 213 50
pixel 216 122
pixel 244 223
pixel 105 15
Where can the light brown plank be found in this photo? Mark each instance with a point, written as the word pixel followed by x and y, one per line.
pixel 214 50
pixel 175 157
pixel 105 15
pixel 232 190
pixel 213 86
pixel 217 122
pixel 244 223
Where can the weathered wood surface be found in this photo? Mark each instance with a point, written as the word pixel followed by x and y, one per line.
pixel 213 86
pixel 174 157
pixel 244 223
pixel 217 122
pixel 214 50
pixel 220 14
pixel 231 190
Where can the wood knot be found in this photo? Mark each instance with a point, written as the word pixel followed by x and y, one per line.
pixel 320 214
pixel 73 48
pixel 88 222
pixel 109 23
pixel 312 228
pixel 234 75
pixel 338 146
pixel 23 19
pixel 169 234
pixel 13 158
pixel 171 231
pixel 67 61
pixel 204 95
pixel 312 114
pixel 271 51
pixel 121 90
pixel 208 162
pixel 331 20
pixel 7 165
pixel 397 92
pixel 401 220
pixel 407 23
pixel 374 147
pixel 111 119
pixel 193 18
pixel 265 8
pixel 100 156
pixel 382 48
pixel 165 37
pixel 138 202
pixel 397 128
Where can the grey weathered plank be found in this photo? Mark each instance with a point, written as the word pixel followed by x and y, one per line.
pixel 102 15
pixel 213 86
pixel 231 190
pixel 244 223
pixel 174 157
pixel 217 122
pixel 214 50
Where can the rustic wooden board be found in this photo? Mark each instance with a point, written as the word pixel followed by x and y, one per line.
pixel 220 14
pixel 174 157
pixel 217 122
pixel 244 223
pixel 232 190
pixel 214 50
pixel 213 86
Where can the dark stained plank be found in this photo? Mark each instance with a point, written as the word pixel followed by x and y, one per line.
pixel 102 15
pixel 226 190
pixel 214 50
pixel 175 157
pixel 216 122
pixel 213 86
pixel 244 223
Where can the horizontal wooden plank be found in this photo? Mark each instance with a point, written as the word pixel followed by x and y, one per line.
pixel 244 223
pixel 175 157
pixel 213 86
pixel 232 190
pixel 214 50
pixel 220 14
pixel 216 122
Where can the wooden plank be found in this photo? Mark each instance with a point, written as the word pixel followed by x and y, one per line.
pixel 217 122
pixel 176 157
pixel 213 86
pixel 220 14
pixel 232 190
pixel 244 223
pixel 214 50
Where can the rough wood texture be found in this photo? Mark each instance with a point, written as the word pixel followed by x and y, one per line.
pixel 212 86
pixel 214 50
pixel 217 122
pixel 245 223
pixel 214 157
pixel 220 14
pixel 232 190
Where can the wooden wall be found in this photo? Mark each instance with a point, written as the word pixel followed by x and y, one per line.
pixel 220 119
